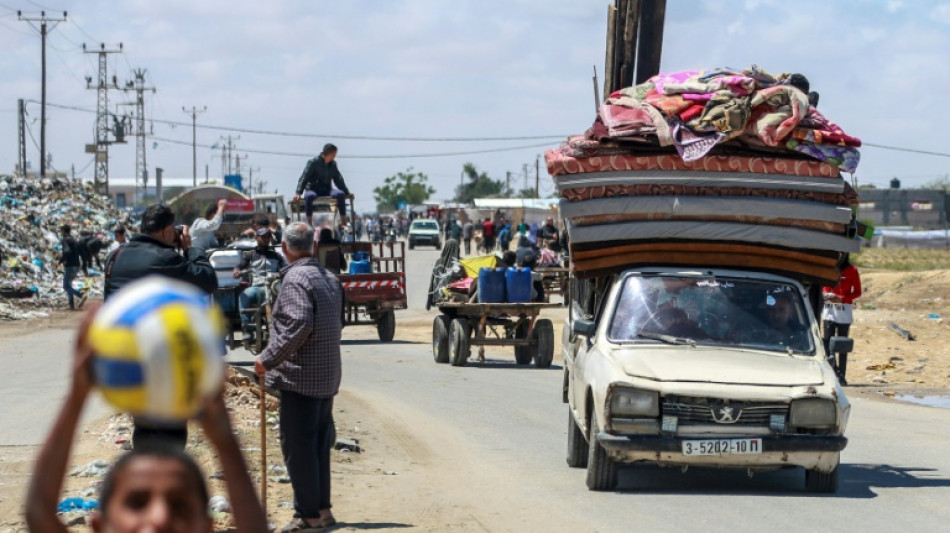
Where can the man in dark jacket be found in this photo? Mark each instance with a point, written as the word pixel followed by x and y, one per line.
pixel 154 252
pixel 318 179
pixel 71 261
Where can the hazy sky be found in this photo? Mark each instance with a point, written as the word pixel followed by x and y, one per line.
pixel 443 69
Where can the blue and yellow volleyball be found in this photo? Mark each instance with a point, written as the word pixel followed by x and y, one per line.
pixel 158 349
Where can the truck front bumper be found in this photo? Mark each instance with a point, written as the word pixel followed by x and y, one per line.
pixel 816 452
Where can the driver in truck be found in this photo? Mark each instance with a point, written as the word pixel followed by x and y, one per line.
pixel 256 263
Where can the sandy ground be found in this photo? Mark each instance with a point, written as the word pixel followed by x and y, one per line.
pixel 883 364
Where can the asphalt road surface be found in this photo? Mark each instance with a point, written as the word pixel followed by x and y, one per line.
pixel 498 432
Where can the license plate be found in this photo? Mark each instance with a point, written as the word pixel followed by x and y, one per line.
pixel 722 447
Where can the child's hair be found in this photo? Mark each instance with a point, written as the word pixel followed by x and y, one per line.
pixel 160 452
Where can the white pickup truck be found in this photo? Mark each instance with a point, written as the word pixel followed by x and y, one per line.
pixel 713 368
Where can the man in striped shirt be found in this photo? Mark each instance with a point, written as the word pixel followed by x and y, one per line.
pixel 302 360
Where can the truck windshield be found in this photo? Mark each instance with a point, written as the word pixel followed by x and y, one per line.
pixel 425 225
pixel 758 315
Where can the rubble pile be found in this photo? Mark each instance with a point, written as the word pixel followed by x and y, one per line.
pixel 31 213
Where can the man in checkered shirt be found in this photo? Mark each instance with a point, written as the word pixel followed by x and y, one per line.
pixel 302 360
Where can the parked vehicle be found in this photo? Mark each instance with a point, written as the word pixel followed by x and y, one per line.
pixel 711 368
pixel 425 231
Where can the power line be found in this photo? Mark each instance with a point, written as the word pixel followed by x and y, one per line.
pixel 392 156
pixel 335 136
pixel 911 150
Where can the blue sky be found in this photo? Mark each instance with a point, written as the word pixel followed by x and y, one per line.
pixel 462 68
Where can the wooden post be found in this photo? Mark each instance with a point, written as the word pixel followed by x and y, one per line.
pixel 631 22
pixel 263 445
pixel 609 73
pixel 622 7
pixel 653 15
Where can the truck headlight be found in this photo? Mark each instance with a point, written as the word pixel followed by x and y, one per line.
pixel 632 402
pixel 813 413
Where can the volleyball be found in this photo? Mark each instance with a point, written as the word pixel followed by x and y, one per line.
pixel 159 349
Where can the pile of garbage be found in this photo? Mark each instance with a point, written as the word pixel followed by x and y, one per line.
pixel 31 212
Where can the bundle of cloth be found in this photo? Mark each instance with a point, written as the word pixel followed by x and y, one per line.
pixel 696 111
pixel 716 168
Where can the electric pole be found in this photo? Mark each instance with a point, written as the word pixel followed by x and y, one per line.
pixel 537 176
pixel 227 149
pixel 138 85
pixel 21 148
pixel 101 147
pixel 194 146
pixel 43 29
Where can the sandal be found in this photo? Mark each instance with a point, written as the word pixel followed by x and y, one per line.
pixel 298 524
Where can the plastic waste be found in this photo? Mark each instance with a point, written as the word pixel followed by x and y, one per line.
pixel 76 504
pixel 219 504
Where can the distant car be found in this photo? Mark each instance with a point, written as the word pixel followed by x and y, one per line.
pixel 425 231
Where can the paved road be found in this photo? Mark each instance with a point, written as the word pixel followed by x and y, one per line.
pixel 37 371
pixel 510 424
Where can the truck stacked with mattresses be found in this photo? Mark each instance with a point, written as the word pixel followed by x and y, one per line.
pixel 720 168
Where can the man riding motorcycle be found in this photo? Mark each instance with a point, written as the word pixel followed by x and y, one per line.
pixel 257 263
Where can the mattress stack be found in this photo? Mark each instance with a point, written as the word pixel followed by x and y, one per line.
pixel 631 195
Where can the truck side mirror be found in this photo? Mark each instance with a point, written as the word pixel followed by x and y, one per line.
pixel 586 328
pixel 840 345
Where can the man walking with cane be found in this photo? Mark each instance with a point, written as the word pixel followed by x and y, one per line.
pixel 302 360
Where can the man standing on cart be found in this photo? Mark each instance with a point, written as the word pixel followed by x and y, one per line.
pixel 258 263
pixel 319 178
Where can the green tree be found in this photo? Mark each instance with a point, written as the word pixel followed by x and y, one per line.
pixel 479 185
pixel 409 187
pixel 938 184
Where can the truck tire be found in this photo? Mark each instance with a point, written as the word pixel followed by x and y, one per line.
pixel 601 469
pixel 438 245
pixel 820 482
pixel 459 346
pixel 543 337
pixel 577 447
pixel 440 338
pixel 386 326
pixel 523 354
pixel 412 244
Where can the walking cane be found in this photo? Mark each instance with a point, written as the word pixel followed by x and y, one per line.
pixel 263 448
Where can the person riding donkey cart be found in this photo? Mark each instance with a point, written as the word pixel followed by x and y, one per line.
pixel 318 180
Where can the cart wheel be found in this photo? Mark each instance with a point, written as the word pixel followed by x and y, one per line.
pixel 459 347
pixel 523 354
pixel 440 338
pixel 386 326
pixel 543 337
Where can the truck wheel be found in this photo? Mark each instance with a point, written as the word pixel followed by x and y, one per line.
pixel 523 354
pixel 543 343
pixel 820 482
pixel 438 245
pixel 440 338
pixel 459 342
pixel 412 244
pixel 386 326
pixel 601 469
pixel 577 447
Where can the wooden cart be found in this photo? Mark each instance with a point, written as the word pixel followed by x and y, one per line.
pixel 463 325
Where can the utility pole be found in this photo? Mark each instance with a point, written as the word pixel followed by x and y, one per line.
pixel 537 176
pixel 194 146
pixel 21 148
pixel 138 85
pixel 507 182
pixel 227 150
pixel 43 29
pixel 101 147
